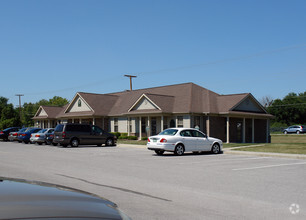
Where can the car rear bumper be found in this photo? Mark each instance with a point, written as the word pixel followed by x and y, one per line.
pixel 61 141
pixel 161 146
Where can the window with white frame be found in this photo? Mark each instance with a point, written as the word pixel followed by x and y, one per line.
pixel 180 121
pixel 116 125
pixel 130 125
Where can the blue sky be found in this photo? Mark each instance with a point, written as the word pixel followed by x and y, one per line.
pixel 60 47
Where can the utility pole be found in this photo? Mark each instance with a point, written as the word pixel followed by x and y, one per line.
pixel 130 76
pixel 19 104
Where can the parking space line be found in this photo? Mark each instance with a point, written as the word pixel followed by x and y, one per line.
pixel 261 167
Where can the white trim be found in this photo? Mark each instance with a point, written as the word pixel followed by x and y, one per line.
pixel 252 97
pixel 40 108
pixel 74 99
pixel 144 95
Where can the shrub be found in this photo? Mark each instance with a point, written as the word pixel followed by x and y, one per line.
pixel 117 134
pixel 144 138
pixel 123 137
pixel 132 138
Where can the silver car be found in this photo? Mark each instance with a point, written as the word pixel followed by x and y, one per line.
pixel 180 140
pixel 295 129
pixel 39 137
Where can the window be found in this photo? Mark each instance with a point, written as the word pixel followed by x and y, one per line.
pixel 180 122
pixel 170 132
pixel 96 129
pixel 165 123
pixel 79 103
pixel 116 124
pixel 130 125
pixel 197 134
pixel 186 133
pixel 197 121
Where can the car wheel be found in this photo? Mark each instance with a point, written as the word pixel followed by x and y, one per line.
pixel 297 132
pixel 285 132
pixel 109 142
pixel 215 149
pixel 159 152
pixel 179 150
pixel 39 143
pixel 74 142
pixel 26 142
pixel 64 145
pixel 54 144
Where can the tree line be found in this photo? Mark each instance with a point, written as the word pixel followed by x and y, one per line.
pixel 10 117
pixel 289 110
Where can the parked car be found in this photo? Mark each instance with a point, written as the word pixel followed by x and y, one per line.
pixel 39 137
pixel 13 135
pixel 49 138
pixel 22 199
pixel 295 129
pixel 80 134
pixel 25 136
pixel 180 140
pixel 5 133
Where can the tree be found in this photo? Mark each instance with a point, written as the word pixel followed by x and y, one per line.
pixel 266 101
pixel 290 110
pixel 8 115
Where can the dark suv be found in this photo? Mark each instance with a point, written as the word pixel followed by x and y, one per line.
pixel 80 134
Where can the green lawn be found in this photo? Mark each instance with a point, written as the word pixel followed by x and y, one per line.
pixel 278 148
pixel 289 144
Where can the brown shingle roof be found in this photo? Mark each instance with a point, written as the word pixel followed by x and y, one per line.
pixel 51 111
pixel 180 98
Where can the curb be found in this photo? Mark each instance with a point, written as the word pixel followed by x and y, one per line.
pixel 263 154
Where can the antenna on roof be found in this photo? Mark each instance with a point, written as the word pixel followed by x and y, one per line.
pixel 130 76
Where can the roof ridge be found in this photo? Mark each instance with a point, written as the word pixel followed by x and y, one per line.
pixel 236 94
pixel 151 88
pixel 158 94
pixel 104 94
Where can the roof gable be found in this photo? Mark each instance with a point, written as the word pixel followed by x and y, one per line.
pixel 144 103
pixel 78 104
pixel 249 104
pixel 49 112
pixel 40 112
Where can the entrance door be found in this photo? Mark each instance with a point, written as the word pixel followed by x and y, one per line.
pixel 239 132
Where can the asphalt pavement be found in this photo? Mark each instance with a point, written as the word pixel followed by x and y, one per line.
pixel 147 186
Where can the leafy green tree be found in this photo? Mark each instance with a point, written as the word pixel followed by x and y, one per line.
pixel 8 115
pixel 290 110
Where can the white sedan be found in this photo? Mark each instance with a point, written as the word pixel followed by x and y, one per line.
pixel 180 140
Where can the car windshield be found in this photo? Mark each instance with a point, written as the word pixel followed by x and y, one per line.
pixel 42 131
pixel 170 132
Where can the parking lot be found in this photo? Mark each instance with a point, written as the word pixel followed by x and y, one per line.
pixel 147 186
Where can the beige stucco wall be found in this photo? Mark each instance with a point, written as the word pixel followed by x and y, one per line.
pixel 75 108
